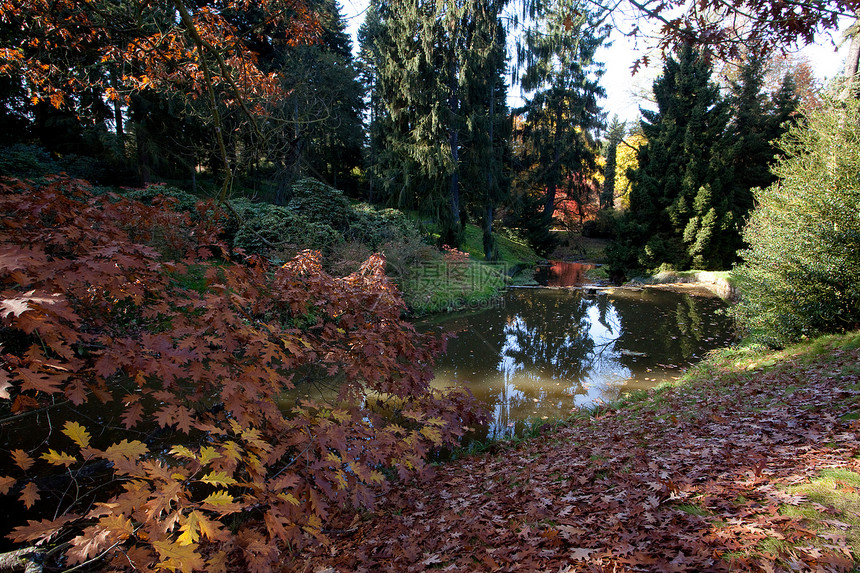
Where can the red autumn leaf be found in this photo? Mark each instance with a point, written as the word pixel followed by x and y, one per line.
pixel 47 383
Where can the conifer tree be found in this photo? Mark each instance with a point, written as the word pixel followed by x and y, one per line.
pixel 557 144
pixel 678 205
pixel 432 71
pixel 614 135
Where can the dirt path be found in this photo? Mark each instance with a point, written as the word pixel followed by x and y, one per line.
pixel 694 478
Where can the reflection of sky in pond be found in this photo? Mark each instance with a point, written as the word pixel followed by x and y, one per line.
pixel 545 352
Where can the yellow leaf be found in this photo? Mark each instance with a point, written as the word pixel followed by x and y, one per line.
pixel 176 557
pixel 218 478
pixel 288 497
pixel 439 422
pixel 432 434
pixel 232 450
pixel 189 531
pixel 125 449
pixel 221 497
pixel 183 452
pixel 207 454
pixel 118 525
pixel 57 459
pixel 77 433
pixel 208 529
pixel 376 477
pixel 193 526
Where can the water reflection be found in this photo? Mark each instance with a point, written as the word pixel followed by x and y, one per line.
pixel 548 351
pixel 562 274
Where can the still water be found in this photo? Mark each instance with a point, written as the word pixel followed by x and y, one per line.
pixel 539 353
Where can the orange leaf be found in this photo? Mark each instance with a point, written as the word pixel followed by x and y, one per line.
pixel 125 449
pixel 6 484
pixel 22 459
pixel 29 495
pixel 40 530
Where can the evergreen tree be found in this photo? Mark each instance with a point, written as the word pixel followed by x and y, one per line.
pixel 487 142
pixel 322 110
pixel 757 122
pixel 614 135
pixel 436 75
pixel 557 144
pixel 679 211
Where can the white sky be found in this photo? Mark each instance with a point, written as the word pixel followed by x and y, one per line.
pixel 621 87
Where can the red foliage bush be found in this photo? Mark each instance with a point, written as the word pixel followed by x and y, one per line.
pixel 93 310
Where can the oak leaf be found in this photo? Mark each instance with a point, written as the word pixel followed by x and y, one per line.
pixel 42 530
pixel 176 557
pixel 6 484
pixel 77 433
pixel 22 459
pixel 61 458
pixel 49 384
pixel 125 449
pixel 218 478
pixel 29 495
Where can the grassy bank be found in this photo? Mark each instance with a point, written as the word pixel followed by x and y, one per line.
pixel 465 280
pixel 750 462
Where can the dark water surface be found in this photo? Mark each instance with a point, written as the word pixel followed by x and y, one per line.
pixel 542 352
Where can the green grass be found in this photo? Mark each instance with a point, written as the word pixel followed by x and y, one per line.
pixel 442 287
pixel 510 252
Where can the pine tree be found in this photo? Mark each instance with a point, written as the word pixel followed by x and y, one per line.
pixel 487 139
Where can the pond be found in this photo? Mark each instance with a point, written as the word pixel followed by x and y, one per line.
pixel 542 352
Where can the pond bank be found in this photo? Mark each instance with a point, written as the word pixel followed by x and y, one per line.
pixel 716 282
pixel 750 462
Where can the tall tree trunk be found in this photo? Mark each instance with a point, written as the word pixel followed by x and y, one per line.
pixel 489 241
pixel 454 232
pixel 852 60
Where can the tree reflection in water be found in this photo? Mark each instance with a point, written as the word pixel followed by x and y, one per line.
pixel 548 351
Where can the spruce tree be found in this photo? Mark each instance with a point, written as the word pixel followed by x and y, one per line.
pixel 678 205
pixel 437 79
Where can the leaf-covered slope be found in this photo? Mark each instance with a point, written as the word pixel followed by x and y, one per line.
pixel 692 478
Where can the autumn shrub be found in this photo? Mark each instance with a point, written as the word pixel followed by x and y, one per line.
pixel 800 276
pixel 202 467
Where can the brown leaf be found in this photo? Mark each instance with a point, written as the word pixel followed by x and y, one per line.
pixel 29 495
pixel 22 459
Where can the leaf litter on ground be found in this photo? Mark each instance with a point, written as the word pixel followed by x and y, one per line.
pixel 705 475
